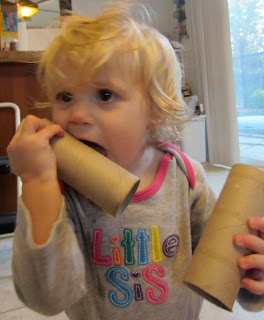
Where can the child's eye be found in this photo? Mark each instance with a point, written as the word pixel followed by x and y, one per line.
pixel 64 96
pixel 105 95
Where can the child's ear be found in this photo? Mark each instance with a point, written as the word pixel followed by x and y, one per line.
pixel 155 122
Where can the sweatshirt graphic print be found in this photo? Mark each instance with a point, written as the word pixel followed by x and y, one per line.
pixel 152 273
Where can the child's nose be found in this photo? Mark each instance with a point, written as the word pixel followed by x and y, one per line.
pixel 81 114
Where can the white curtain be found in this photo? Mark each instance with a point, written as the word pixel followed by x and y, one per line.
pixel 213 54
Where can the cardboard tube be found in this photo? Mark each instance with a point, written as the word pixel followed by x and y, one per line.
pixel 99 179
pixel 213 272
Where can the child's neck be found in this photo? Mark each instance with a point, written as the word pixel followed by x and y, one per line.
pixel 147 167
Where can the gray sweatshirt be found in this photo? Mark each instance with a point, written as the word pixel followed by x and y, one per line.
pixel 95 266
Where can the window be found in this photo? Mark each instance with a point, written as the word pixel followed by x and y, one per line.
pixel 247 36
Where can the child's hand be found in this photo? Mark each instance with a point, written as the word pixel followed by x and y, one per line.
pixel 253 264
pixel 30 154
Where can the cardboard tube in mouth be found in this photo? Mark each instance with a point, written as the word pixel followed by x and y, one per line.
pixel 99 179
pixel 213 272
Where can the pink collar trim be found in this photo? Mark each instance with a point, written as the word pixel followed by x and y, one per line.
pixel 152 189
pixel 189 168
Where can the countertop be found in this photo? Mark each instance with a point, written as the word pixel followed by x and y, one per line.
pixel 20 56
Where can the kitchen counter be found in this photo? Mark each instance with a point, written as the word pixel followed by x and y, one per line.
pixel 20 56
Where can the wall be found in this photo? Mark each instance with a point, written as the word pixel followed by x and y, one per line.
pixel 39 39
pixel 163 9
pixel 35 39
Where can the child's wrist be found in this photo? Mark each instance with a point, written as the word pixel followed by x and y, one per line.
pixel 43 201
pixel 43 178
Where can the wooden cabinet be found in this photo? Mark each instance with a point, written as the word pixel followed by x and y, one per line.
pixel 18 84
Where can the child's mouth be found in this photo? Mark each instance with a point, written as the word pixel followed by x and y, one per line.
pixel 94 146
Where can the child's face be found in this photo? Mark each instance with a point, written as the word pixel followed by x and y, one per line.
pixel 113 112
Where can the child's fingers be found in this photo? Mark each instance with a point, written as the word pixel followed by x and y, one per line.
pixel 254 278
pixel 256 287
pixel 249 241
pixel 257 223
pixel 254 274
pixel 20 127
pixel 52 131
pixel 252 261
pixel 31 125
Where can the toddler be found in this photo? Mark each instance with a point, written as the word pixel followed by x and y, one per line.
pixel 114 84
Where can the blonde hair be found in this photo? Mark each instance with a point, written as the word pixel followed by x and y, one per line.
pixel 86 44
